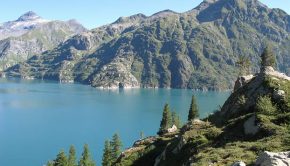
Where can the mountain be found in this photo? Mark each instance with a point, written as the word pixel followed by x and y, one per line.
pixel 29 35
pixel 253 121
pixel 197 49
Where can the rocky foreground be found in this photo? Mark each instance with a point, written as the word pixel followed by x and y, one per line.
pixel 252 128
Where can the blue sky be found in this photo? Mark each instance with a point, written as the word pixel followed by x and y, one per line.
pixel 94 13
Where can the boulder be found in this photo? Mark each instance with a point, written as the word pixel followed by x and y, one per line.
pixel 172 129
pixel 279 94
pixel 274 159
pixel 250 126
pixel 239 163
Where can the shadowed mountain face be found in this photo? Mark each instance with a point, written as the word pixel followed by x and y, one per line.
pixel 197 49
pixel 29 35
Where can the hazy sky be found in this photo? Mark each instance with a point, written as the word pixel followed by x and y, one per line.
pixel 93 13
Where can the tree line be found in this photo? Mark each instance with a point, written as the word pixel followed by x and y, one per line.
pixel 169 119
pixel 112 150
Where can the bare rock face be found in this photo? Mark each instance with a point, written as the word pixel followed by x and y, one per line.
pixel 114 76
pixel 242 80
pixel 274 159
pixel 269 71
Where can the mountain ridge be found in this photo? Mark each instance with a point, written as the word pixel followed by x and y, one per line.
pixel 177 50
pixel 29 35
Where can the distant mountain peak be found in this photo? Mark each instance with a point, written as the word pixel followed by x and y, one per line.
pixel 139 16
pixel 28 16
pixel 164 13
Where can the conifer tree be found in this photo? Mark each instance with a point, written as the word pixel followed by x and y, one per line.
pixel 176 120
pixel 72 159
pixel 86 158
pixel 193 110
pixel 50 163
pixel 244 65
pixel 142 136
pixel 107 154
pixel 61 159
pixel 116 145
pixel 166 121
pixel 268 58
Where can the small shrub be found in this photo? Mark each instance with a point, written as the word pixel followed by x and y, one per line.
pixel 265 106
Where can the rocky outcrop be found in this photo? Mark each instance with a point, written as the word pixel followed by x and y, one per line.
pixel 248 89
pixel 269 71
pixel 242 80
pixel 114 76
pixel 146 141
pixel 273 159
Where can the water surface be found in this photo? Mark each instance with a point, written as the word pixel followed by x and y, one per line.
pixel 38 118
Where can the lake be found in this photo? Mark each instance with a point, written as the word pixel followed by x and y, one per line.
pixel 39 118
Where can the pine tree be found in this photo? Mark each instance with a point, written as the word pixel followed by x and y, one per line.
pixel 107 154
pixel 244 65
pixel 193 110
pixel 142 136
pixel 72 156
pixel 50 163
pixel 86 158
pixel 166 121
pixel 116 147
pixel 61 159
pixel 268 58
pixel 176 120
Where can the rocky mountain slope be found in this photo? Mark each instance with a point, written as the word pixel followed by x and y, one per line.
pixel 253 121
pixel 196 49
pixel 30 35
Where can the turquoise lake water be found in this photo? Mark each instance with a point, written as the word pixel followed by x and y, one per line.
pixel 38 119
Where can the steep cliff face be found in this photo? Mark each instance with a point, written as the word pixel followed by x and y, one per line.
pixel 254 119
pixel 196 49
pixel 30 35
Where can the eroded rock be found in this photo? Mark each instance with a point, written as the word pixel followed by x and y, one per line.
pixel 274 159
pixel 242 80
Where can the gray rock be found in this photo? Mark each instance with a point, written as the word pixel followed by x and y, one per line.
pixel 273 159
pixel 242 80
pixel 250 126
pixel 279 94
pixel 269 71
pixel 172 129
pixel 239 163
